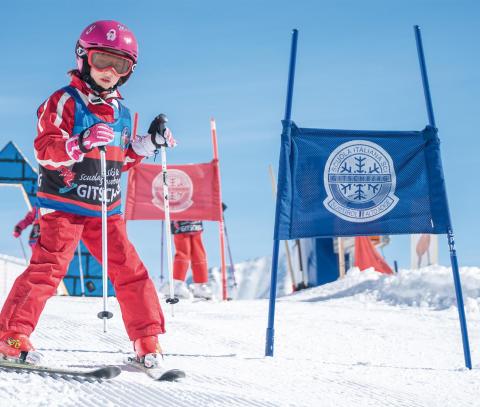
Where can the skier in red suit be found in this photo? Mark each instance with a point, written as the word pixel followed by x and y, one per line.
pixel 31 218
pixel 72 123
pixel 189 252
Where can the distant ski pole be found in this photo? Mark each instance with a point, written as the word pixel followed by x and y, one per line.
pixel 23 249
pixel 80 270
pixel 287 248
pixel 166 205
pixel 104 314
pixel 232 264
pixel 341 257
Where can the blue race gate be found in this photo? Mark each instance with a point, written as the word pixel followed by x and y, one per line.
pixel 335 183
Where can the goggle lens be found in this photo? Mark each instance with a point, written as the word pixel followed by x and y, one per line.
pixel 102 61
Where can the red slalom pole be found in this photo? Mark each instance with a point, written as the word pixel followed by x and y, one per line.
pixel 221 225
pixel 135 125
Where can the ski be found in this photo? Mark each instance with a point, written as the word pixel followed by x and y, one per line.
pixel 195 300
pixel 104 372
pixel 157 374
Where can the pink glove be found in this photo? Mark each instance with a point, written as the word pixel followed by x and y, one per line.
pixel 97 135
pixel 17 231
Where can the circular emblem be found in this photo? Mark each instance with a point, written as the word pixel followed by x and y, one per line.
pixel 180 190
pixel 360 182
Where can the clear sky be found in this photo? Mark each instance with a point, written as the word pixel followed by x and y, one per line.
pixel 357 68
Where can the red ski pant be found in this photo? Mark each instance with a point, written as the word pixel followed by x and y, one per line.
pixel 61 233
pixel 189 248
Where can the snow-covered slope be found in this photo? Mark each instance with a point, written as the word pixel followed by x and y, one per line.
pixel 367 340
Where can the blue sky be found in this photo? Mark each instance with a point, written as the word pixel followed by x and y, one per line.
pixel 357 68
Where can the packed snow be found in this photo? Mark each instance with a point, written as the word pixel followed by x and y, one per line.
pixel 365 340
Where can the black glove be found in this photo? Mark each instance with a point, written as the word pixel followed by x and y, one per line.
pixel 158 125
pixel 17 231
pixel 160 134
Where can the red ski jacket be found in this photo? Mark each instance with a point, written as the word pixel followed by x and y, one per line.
pixel 56 122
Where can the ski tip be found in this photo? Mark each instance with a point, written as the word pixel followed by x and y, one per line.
pixel 172 375
pixel 106 372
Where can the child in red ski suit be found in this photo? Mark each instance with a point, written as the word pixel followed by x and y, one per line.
pixel 189 251
pixel 31 218
pixel 72 123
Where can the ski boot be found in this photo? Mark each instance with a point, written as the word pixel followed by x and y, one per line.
pixel 180 290
pixel 17 347
pixel 202 290
pixel 148 351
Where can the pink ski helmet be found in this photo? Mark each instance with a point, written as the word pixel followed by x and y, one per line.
pixel 110 35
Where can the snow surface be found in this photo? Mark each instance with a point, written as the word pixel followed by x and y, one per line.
pixel 366 340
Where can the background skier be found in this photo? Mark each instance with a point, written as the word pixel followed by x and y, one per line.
pixel 189 251
pixel 31 218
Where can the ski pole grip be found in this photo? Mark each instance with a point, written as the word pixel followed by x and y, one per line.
pixel 162 120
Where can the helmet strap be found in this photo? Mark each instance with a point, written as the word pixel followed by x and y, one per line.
pixel 93 85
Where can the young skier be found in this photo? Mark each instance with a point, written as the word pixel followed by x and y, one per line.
pixel 189 251
pixel 31 218
pixel 73 123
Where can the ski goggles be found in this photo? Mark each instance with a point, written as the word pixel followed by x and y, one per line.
pixel 104 60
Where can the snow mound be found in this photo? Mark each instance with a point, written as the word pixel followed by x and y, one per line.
pixel 430 287
pixel 252 278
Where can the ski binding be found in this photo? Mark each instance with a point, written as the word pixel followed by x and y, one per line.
pixel 157 373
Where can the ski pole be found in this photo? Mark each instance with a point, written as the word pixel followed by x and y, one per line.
pixel 172 299
pixel 104 314
pixel 341 257
pixel 80 270
pixel 232 264
pixel 304 283
pixel 23 249
pixel 161 253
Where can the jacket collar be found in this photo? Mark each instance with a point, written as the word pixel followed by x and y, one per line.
pixel 83 87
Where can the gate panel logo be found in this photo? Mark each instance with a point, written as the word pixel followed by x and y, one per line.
pixel 360 181
pixel 180 191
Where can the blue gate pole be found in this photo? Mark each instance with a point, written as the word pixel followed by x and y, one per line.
pixel 451 239
pixel 287 124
